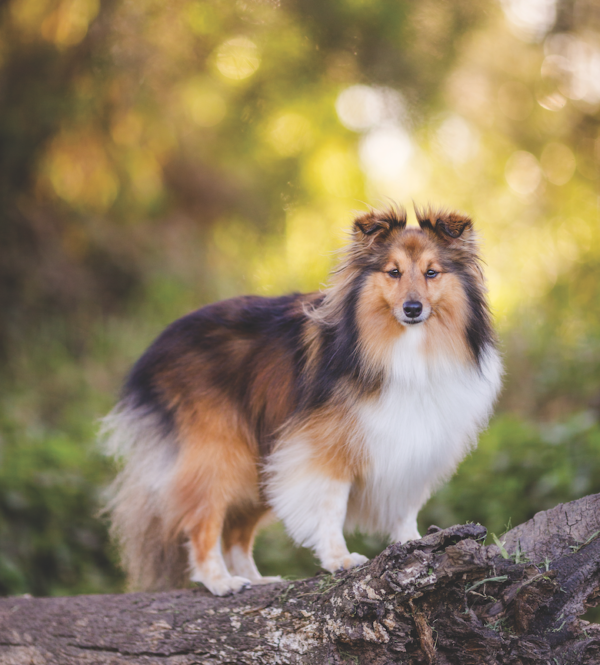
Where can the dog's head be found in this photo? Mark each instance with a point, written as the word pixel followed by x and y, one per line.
pixel 426 276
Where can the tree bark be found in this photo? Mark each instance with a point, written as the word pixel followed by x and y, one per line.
pixel 446 598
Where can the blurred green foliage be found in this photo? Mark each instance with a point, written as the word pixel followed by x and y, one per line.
pixel 519 469
pixel 157 156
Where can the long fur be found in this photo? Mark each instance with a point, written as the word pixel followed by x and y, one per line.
pixel 328 409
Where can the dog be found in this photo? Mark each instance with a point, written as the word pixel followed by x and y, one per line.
pixel 334 410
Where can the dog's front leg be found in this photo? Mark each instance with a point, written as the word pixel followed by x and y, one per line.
pixel 406 528
pixel 329 543
pixel 312 506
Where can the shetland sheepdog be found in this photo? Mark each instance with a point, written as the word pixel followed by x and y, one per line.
pixel 335 410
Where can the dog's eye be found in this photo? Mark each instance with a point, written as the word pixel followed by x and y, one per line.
pixel 431 273
pixel 395 273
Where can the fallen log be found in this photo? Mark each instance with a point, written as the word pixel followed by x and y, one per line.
pixel 446 598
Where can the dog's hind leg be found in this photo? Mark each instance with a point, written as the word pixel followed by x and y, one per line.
pixel 216 470
pixel 206 560
pixel 238 540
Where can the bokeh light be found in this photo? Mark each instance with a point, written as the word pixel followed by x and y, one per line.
pixel 531 19
pixel 457 139
pixel 385 152
pixel 558 163
pixel 523 173
pixel 237 58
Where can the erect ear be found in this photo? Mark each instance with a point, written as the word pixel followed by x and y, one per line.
pixel 447 226
pixel 379 224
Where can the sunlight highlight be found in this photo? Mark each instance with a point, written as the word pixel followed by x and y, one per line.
pixel 237 59
pixel 290 134
pixel 457 139
pixel 363 107
pixel 384 152
pixel 575 65
pixel 530 19
pixel 523 173
pixel 558 163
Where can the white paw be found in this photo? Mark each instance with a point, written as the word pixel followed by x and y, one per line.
pixel 223 586
pixel 405 531
pixel 344 562
pixel 409 534
pixel 267 580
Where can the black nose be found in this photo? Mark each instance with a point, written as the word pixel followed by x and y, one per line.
pixel 412 308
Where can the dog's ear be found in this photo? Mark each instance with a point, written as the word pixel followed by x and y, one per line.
pixel 376 224
pixel 450 227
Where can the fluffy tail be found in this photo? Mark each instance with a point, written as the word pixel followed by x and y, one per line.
pixel 153 556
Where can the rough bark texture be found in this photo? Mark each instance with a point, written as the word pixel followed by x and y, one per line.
pixel 446 598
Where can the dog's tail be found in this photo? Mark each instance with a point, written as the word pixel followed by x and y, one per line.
pixel 153 554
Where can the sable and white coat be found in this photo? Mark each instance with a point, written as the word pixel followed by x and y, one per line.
pixel 342 408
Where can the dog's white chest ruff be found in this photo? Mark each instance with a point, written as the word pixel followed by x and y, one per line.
pixel 415 433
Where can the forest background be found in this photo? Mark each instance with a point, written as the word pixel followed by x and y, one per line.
pixel 156 156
